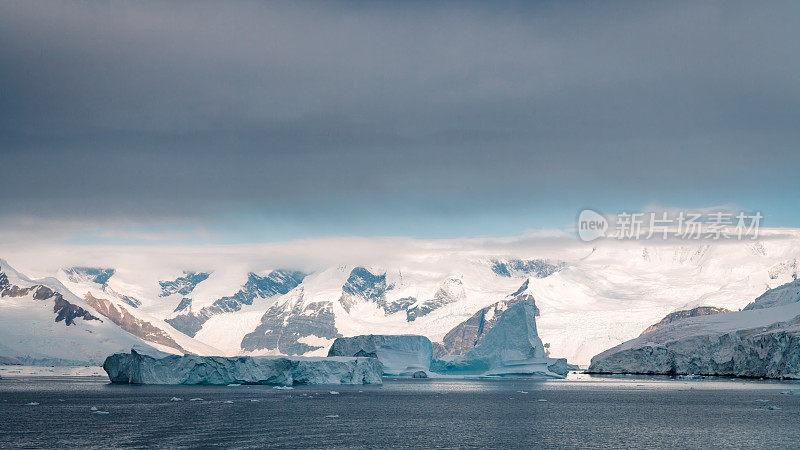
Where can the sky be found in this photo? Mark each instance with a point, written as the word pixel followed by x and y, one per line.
pixel 209 122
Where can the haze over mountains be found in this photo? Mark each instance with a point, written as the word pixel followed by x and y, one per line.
pixel 589 297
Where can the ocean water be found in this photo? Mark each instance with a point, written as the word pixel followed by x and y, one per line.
pixel 582 411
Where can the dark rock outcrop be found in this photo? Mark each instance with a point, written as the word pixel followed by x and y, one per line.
pixel 64 310
pixel 364 286
pixel 283 326
pixel 182 285
pixel 537 268
pixel 278 282
pixel 131 324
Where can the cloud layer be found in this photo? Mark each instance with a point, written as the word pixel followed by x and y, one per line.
pixel 407 117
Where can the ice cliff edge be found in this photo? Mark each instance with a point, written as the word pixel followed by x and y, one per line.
pixel 135 368
pixel 511 347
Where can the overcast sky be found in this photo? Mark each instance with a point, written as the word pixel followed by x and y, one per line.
pixel 254 121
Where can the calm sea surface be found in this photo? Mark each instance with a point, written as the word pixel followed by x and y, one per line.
pixel 582 411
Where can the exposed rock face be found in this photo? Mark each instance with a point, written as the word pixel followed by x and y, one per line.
pixel 782 295
pixel 399 353
pixel 466 335
pixel 364 286
pixel 511 347
pixel 284 326
pixel 182 285
pixel 64 310
pixel 94 274
pixel 772 352
pixel 135 368
pixel 131 324
pixel 401 304
pixel 185 304
pixel 537 268
pixel 678 315
pixel 278 282
pixel 451 291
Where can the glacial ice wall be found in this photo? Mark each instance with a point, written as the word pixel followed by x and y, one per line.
pixel 743 344
pixel 400 354
pixel 135 368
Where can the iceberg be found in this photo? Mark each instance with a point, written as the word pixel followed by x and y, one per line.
pixel 511 347
pixel 136 368
pixel 400 354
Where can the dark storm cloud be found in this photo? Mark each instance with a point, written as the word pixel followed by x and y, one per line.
pixel 187 109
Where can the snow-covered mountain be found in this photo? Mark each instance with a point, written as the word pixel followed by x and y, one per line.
pixel 589 297
pixel 760 341
pixel 43 323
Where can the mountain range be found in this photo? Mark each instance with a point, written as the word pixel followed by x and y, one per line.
pixel 589 298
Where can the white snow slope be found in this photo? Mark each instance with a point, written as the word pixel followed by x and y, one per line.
pixel 607 292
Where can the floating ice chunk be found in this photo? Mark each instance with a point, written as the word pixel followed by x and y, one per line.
pixel 229 401
pixel 334 393
pixel 135 368
pixel 283 388
pixel 196 399
pixel 100 413
pixel 690 376
pixel 176 399
pixel 522 392
pixel 761 400
pixel 332 416
pixel 234 384
pixel 32 404
pixel 542 400
pixel 511 347
pixel 93 408
pixel 400 354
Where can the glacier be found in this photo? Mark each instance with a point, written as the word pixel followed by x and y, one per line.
pixel 399 354
pixel 137 368
pixel 762 341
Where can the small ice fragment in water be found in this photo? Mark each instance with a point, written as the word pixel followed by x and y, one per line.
pixel 32 404
pixel 522 392
pixel 176 399
pixel 282 388
pixel 100 412
pixel 691 376
pixel 228 401
pixel 254 400
pixel 196 399
pixel 93 408
pixel 761 400
pixel 542 400
pixel 334 393
pixel 332 416
pixel 61 399
pixel 234 384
